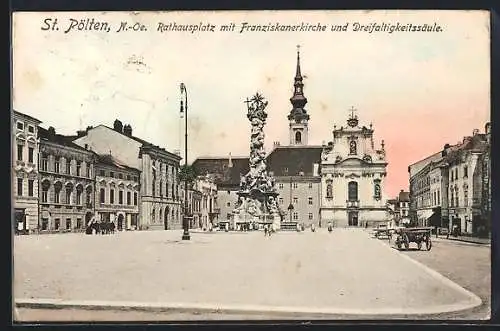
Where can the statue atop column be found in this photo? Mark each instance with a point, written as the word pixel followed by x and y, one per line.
pixel 257 195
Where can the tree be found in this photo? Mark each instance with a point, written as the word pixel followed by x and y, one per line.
pixel 187 172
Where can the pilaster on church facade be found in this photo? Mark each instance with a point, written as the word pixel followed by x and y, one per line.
pixel 353 174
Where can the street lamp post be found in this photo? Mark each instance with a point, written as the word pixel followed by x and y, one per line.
pixel 185 223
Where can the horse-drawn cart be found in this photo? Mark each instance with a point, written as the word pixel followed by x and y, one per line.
pixel 405 236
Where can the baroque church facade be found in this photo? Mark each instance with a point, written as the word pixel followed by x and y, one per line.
pixel 353 173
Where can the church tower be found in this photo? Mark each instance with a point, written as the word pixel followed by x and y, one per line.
pixel 298 117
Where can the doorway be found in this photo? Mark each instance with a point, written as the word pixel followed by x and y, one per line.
pixel 165 219
pixel 352 218
pixel 120 222
pixel 20 221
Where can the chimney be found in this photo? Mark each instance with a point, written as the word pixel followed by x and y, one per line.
pixel 89 128
pixel 475 132
pixel 315 169
pixel 80 133
pixel 177 152
pixel 127 130
pixel 230 162
pixel 118 126
pixel 52 131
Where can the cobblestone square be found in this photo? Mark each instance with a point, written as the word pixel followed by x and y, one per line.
pixel 343 273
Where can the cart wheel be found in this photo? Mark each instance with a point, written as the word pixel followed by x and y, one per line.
pixel 406 241
pixel 419 245
pixel 398 243
pixel 428 243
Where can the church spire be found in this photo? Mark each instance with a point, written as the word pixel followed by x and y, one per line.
pixel 298 118
pixel 298 99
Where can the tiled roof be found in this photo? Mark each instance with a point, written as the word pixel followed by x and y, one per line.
pixel 224 175
pixel 17 113
pixel 295 159
pixel 45 135
pixel 108 159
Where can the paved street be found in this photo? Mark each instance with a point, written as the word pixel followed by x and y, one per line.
pixel 345 273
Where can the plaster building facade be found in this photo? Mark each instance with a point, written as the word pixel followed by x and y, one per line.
pixel 446 189
pixel 353 176
pixel 160 204
pixel 226 173
pixel 66 194
pixel 400 209
pixel 25 149
pixel 117 193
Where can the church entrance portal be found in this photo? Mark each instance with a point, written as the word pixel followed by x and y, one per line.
pixel 352 218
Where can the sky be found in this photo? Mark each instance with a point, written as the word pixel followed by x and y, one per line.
pixel 420 90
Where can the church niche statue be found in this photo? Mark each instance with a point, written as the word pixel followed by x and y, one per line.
pixel 377 191
pixel 352 147
pixel 329 190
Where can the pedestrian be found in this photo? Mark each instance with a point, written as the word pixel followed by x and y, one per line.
pixel 313 228
pixel 329 227
pixel 265 230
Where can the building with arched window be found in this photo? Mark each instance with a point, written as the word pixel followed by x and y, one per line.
pixel 353 173
pixel 66 193
pixel 25 172
pixel 117 188
pixel 159 171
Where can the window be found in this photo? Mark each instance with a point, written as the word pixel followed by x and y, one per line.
pixel 111 196
pixel 466 197
pixel 79 191
pixel 20 152
pixel 310 185
pixel 102 173
pixel 68 166
pixel 285 170
pixel 102 195
pixel 57 224
pixel 298 137
pixel 69 189
pixel 310 216
pixel 280 185
pixel 45 162
pixel 68 224
pixel 87 167
pixel 310 200
pixel 78 168
pixel 295 185
pixel 20 186
pixel 45 224
pixel 128 177
pixel 45 192
pixel 295 215
pixel 30 154
pixel 353 191
pixel 20 125
pixel 111 174
pixel 295 200
pixel 120 197
pixel 57 188
pixel 136 179
pixel 120 176
pixel 30 187
pixel 57 164
pixel 161 188
pixel 31 129
pixel 228 204
pixel 438 198
pixel 153 188
pixel 281 201
pixel 78 223
pixel 456 173
pixel 465 172
pixel 135 198
pixel 88 198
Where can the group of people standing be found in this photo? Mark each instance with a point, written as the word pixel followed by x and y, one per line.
pixel 98 227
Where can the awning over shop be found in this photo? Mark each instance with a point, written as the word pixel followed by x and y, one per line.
pixel 424 214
